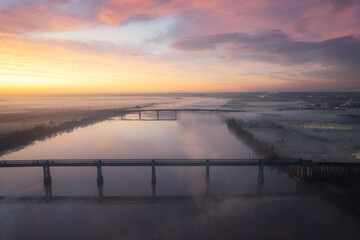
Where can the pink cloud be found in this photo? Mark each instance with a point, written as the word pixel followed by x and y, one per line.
pixel 36 17
pixel 307 19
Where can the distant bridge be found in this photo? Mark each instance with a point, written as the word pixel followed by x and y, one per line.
pixel 174 110
pixel 182 110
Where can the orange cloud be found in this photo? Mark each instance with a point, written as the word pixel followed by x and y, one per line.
pixel 39 67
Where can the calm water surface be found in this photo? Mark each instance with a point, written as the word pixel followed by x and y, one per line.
pixel 279 208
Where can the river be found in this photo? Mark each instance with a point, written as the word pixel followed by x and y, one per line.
pixel 233 205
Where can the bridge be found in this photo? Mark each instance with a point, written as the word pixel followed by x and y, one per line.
pixel 174 110
pixel 99 163
pixel 306 169
pixel 147 199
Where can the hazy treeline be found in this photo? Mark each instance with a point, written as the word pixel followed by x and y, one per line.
pixel 16 140
pixel 258 146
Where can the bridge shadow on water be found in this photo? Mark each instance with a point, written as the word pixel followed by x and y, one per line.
pixel 154 198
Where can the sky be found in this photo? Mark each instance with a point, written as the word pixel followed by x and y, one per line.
pixel 128 46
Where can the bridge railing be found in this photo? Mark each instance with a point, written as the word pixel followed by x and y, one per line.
pixel 148 162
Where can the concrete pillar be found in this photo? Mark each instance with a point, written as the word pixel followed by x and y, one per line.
pixel 139 115
pixel 261 172
pixel 175 115
pixel 153 175
pixel 46 173
pixel 207 171
pixel 153 190
pixel 48 191
pixel 100 188
pixel 157 115
pixel 100 178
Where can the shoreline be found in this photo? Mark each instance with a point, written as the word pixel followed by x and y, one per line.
pixel 43 127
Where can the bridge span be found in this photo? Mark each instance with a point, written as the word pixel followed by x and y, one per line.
pixel 99 163
pixel 306 169
pixel 182 110
pixel 139 111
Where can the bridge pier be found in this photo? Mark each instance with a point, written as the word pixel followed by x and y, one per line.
pixel 157 115
pixel 100 188
pixel 153 175
pixel 48 191
pixel 139 115
pixel 46 172
pixel 153 190
pixel 261 172
pixel 175 114
pixel 100 178
pixel 207 172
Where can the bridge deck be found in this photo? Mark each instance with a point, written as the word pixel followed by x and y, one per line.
pixel 305 168
pixel 183 110
pixel 147 162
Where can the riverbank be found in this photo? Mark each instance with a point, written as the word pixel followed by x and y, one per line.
pixel 22 129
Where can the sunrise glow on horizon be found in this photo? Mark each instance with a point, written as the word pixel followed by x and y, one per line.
pixel 130 46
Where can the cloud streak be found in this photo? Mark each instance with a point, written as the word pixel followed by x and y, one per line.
pixel 277 47
pixel 336 60
pixel 321 18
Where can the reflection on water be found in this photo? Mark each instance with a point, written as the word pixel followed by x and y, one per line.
pixel 234 205
pixel 191 136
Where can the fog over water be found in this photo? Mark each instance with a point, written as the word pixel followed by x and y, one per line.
pixel 234 205
pixel 190 136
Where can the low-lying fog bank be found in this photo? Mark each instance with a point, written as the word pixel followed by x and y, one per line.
pixel 314 126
